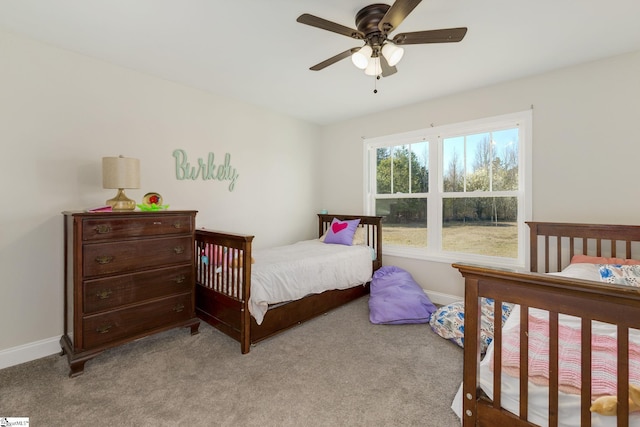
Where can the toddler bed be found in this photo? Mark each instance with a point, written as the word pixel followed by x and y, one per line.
pixel 286 285
pixel 567 341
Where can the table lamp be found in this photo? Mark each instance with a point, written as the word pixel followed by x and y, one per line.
pixel 120 173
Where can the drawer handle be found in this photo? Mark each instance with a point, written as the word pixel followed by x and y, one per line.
pixel 178 308
pixel 181 279
pixel 104 294
pixel 103 229
pixel 178 250
pixel 103 329
pixel 104 259
pixel 177 224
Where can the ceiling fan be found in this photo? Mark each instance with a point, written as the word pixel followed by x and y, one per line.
pixel 380 53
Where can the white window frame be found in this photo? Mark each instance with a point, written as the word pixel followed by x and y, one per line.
pixel 435 136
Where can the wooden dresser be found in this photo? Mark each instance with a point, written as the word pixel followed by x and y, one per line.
pixel 127 275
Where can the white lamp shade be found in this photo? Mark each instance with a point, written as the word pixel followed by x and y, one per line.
pixel 374 68
pixel 361 58
pixel 392 53
pixel 120 172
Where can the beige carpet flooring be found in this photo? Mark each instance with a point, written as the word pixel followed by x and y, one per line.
pixel 336 370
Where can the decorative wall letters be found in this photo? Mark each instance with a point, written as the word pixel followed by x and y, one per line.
pixel 205 170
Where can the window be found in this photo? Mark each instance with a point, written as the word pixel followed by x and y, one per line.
pixel 458 192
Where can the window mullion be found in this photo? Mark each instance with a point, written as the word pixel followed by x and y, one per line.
pixel 434 201
pixel 393 161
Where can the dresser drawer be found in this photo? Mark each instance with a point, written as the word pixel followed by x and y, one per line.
pixel 130 322
pixel 137 226
pixel 132 255
pixel 116 291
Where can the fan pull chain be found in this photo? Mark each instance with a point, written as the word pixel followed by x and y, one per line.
pixel 376 78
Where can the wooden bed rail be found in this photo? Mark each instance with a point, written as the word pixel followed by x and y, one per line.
pixel 589 301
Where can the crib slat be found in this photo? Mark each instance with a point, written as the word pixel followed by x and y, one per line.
pixel 546 254
pixel 236 273
pixel 571 249
pixel 471 374
pixel 585 373
pixel 553 369
pixel 524 362
pixel 497 357
pixel 623 376
pixel 533 241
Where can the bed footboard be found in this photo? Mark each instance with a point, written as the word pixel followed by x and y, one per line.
pixel 223 282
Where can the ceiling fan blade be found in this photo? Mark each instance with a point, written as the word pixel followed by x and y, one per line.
pixel 334 59
pixel 396 14
pixel 387 69
pixel 449 35
pixel 323 24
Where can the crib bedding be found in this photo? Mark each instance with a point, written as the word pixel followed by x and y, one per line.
pixel 569 402
pixel 291 272
pixel 603 362
pixel 568 406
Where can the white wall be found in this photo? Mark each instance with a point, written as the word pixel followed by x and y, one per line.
pixel 60 113
pixel 585 147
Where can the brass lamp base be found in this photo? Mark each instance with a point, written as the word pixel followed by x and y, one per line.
pixel 121 202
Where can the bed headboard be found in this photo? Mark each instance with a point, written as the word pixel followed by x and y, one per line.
pixel 553 244
pixel 372 226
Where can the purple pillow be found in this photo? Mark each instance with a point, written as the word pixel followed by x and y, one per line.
pixel 341 232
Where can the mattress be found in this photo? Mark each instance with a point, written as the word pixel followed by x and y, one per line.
pixel 291 272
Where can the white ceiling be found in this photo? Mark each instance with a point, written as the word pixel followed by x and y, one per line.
pixel 255 51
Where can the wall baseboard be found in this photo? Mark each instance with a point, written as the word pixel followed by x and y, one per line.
pixel 28 352
pixel 442 299
pixel 38 349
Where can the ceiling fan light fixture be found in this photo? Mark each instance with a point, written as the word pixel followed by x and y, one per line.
pixel 392 53
pixel 374 24
pixel 374 68
pixel 361 58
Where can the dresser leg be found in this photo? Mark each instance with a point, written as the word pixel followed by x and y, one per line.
pixel 76 360
pixel 76 368
pixel 194 329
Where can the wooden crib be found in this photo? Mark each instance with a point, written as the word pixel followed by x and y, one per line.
pixel 552 247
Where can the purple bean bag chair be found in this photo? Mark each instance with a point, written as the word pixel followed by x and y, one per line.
pixel 397 299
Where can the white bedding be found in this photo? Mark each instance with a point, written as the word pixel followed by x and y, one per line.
pixel 569 404
pixel 291 272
